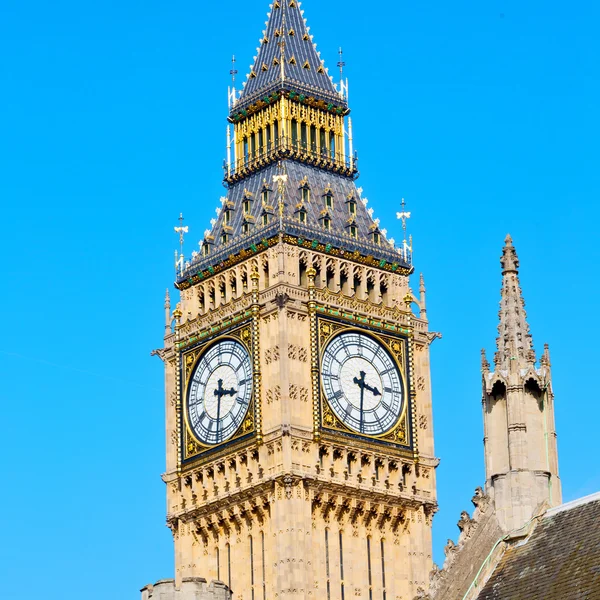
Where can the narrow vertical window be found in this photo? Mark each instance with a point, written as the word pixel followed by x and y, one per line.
pixel 304 134
pixel 218 564
pixel 268 137
pixel 323 142
pixel 383 568
pixel 276 132
pixel 261 141
pixel 332 144
pixel 294 132
pixel 313 138
pixel 342 565
pixel 264 566
pixel 369 567
pixel 253 145
pixel 246 155
pixel 328 573
pixel 251 566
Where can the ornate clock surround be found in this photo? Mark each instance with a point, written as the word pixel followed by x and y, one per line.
pixel 191 448
pixel 400 348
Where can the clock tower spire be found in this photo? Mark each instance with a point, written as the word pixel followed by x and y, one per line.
pixel 300 459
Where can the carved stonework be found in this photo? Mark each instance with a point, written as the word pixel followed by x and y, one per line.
pixel 298 393
pixel 273 395
pixel 271 355
pixel 297 353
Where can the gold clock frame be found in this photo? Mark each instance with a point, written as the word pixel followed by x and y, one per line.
pixel 398 347
pixel 192 448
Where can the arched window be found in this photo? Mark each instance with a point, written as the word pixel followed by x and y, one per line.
pixel 261 141
pixel 294 132
pixel 304 135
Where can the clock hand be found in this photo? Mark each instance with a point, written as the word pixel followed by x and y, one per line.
pixel 374 390
pixel 361 384
pixel 219 393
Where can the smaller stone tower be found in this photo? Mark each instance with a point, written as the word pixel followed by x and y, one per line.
pixel 521 457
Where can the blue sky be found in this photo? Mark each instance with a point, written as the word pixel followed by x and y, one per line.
pixel 483 115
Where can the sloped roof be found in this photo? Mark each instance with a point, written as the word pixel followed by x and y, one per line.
pixel 297 65
pixel 319 182
pixel 559 561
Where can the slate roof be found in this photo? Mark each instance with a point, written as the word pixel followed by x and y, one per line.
pixel 318 180
pixel 303 69
pixel 559 561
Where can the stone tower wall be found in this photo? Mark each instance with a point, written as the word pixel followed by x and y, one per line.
pixel 194 588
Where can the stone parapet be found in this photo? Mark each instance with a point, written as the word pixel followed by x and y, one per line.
pixel 192 588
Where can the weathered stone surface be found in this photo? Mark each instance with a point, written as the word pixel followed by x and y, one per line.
pixel 193 588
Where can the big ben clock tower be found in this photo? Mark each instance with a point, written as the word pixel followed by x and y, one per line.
pixel 300 459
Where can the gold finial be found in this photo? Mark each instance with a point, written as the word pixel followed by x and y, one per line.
pixel 311 274
pixel 177 314
pixel 254 276
pixel 408 299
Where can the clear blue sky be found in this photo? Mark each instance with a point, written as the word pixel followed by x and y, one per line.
pixel 484 115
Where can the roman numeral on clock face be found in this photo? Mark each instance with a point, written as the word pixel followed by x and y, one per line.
pixel 360 379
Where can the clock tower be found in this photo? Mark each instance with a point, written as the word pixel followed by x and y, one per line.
pixel 300 459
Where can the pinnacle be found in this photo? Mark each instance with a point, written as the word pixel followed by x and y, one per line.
pixel 509 260
pixel 514 339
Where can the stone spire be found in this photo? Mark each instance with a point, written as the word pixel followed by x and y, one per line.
pixel 514 340
pixel 521 455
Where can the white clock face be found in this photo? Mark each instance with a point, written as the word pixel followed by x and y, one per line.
pixel 219 392
pixel 362 384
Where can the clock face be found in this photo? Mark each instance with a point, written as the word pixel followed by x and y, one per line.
pixel 362 384
pixel 219 392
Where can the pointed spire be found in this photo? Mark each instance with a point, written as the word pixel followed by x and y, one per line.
pixel 423 294
pixel 167 313
pixel 545 360
pixel 485 365
pixel 514 341
pixel 287 59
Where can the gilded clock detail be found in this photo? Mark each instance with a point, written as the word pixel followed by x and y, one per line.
pixel 362 384
pixel 219 392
